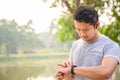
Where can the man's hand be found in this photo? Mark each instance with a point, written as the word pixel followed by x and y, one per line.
pixel 59 76
pixel 64 71
pixel 65 64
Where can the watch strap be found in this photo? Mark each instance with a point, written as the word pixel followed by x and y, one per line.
pixel 72 69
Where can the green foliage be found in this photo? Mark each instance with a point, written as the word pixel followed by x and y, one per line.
pixel 8 33
pixel 112 30
pixel 66 31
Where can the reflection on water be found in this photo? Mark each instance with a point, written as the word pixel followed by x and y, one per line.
pixel 24 73
pixel 40 78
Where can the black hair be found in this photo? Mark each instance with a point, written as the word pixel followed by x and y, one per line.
pixel 86 14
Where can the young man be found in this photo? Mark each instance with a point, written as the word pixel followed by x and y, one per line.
pixel 94 56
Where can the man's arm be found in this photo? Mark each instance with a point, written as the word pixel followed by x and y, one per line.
pixel 104 71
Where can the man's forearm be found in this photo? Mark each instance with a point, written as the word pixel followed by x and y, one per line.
pixel 101 72
pixel 91 73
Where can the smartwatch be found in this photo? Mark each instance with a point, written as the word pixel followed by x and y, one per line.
pixel 72 69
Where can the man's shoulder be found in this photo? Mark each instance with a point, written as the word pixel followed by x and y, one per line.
pixel 77 41
pixel 108 41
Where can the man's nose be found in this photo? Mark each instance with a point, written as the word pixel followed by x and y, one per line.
pixel 82 33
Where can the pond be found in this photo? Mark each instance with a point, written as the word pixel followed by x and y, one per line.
pixel 24 73
pixel 30 67
pixel 41 78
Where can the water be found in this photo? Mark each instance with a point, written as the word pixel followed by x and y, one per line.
pixel 25 73
pixel 41 78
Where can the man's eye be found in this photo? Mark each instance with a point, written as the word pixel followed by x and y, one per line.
pixel 86 29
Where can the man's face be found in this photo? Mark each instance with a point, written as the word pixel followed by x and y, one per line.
pixel 86 31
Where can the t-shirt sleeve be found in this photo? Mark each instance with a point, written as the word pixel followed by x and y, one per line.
pixel 112 50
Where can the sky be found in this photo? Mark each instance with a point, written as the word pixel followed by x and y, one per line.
pixel 36 10
pixel 24 10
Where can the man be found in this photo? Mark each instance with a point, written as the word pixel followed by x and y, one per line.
pixel 94 56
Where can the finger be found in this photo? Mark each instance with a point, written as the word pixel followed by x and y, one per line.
pixel 71 63
pixel 67 64
pixel 64 64
pixel 59 76
pixel 61 65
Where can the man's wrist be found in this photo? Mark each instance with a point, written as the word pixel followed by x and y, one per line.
pixel 72 69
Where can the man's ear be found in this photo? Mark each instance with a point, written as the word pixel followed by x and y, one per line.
pixel 97 24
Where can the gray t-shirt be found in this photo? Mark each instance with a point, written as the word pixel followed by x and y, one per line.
pixel 87 54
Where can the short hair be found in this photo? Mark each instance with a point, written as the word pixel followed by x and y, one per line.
pixel 86 14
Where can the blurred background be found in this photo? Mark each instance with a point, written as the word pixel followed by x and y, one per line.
pixel 35 35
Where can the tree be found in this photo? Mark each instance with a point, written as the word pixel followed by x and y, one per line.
pixel 69 7
pixel 14 37
pixel 8 36
pixel 27 37
pixel 67 31
pixel 112 30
